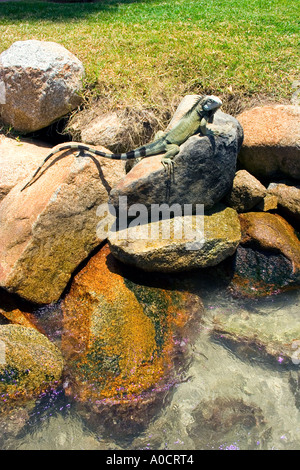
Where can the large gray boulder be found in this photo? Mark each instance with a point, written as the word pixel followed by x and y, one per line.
pixel 39 83
pixel 204 169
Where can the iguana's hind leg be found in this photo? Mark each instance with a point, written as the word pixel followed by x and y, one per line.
pixel 81 153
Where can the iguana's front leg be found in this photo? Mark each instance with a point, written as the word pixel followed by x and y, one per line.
pixel 203 125
pixel 204 129
pixel 167 159
pixel 168 163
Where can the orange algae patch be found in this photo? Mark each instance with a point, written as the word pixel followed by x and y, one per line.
pixel 115 349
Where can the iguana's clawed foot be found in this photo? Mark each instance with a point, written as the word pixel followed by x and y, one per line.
pixel 169 165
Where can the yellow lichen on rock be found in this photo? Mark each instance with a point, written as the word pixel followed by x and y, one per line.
pixel 30 364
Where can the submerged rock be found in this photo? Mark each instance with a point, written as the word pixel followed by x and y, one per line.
pixel 222 419
pixel 271 335
pixel 29 363
pixel 294 381
pixel 13 420
pixel 40 82
pixel 48 229
pixel 181 243
pixel 203 174
pixel 271 144
pixel 123 333
pixel 268 258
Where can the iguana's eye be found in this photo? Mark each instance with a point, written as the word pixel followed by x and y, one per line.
pixel 207 104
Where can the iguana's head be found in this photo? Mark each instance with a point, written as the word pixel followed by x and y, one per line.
pixel 206 108
pixel 211 103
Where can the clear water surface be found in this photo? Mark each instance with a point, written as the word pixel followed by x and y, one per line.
pixel 231 398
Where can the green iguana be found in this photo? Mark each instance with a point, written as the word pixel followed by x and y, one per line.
pixel 192 122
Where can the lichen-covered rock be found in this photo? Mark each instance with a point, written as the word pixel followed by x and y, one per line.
pixel 271 144
pixel 180 243
pixel 122 332
pixel 268 258
pixel 30 364
pixel 203 174
pixel 246 192
pixel 48 229
pixel 19 158
pixel 40 82
pixel 270 231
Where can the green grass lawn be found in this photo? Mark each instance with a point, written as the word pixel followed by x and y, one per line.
pixel 151 51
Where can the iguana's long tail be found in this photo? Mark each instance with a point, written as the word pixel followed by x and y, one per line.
pixel 139 152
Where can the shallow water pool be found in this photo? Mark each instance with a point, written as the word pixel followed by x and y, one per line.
pixel 231 396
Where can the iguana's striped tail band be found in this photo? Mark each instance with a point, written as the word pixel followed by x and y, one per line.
pixel 140 152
